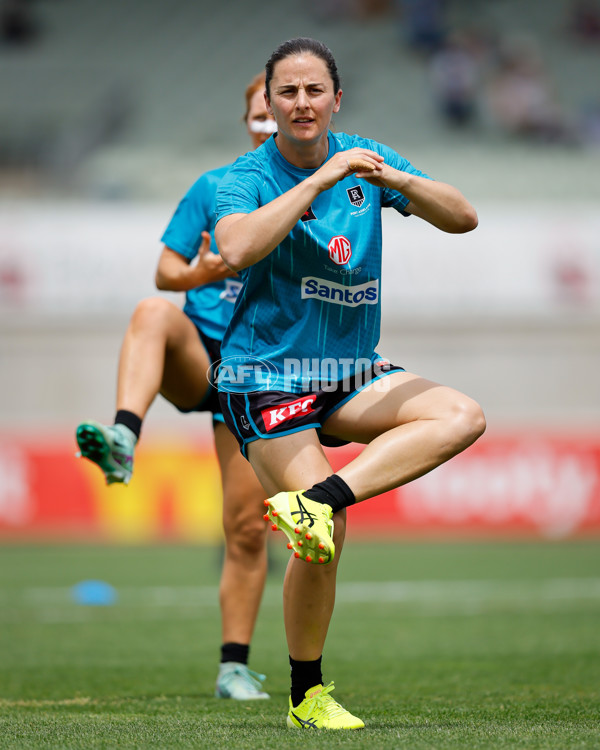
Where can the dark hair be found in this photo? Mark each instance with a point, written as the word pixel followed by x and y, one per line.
pixel 296 47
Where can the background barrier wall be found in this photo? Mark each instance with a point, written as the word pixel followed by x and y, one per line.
pixel 509 314
pixel 89 259
pixel 524 484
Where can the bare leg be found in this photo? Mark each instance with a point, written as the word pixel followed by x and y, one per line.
pixel 290 463
pixel 307 618
pixel 411 427
pixel 161 353
pixel 245 566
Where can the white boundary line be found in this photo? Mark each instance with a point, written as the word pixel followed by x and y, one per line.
pixel 57 604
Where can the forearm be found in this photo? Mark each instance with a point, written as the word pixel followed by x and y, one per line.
pixel 440 204
pixel 175 274
pixel 245 239
pixel 180 278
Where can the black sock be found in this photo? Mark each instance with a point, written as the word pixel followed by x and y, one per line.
pixel 235 652
pixel 305 674
pixel 129 419
pixel 333 491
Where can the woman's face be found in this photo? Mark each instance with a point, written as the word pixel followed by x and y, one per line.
pixel 259 122
pixel 302 98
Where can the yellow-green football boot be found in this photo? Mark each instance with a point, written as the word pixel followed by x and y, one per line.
pixel 319 711
pixel 307 524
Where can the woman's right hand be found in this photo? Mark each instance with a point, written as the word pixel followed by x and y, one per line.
pixel 210 266
pixel 175 273
pixel 344 163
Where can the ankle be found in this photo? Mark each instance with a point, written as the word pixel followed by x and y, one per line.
pixel 305 675
pixel 332 491
pixel 237 652
pixel 131 421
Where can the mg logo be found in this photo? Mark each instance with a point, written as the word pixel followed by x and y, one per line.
pixel 340 250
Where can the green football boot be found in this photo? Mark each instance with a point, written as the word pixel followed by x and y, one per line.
pixel 111 448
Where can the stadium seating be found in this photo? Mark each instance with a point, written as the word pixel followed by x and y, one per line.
pixel 151 86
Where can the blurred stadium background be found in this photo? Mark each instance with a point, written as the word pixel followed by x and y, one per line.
pixel 110 110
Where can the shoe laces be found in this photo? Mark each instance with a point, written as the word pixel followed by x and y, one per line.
pixel 122 447
pixel 324 512
pixel 326 704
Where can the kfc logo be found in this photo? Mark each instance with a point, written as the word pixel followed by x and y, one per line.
pixel 274 417
pixel 340 250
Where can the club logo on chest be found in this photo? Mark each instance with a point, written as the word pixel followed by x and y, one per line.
pixel 356 195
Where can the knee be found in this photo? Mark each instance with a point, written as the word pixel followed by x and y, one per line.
pixel 151 311
pixel 468 422
pixel 249 544
pixel 339 530
pixel 245 533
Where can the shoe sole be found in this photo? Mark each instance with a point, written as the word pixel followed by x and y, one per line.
pixel 292 725
pixel 306 543
pixel 93 446
pixel 257 697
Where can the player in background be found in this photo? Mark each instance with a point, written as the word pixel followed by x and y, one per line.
pixel 169 351
pixel 300 220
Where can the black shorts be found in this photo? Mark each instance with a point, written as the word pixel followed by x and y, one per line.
pixel 262 415
pixel 210 402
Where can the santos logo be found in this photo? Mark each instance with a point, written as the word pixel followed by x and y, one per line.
pixel 231 291
pixel 351 296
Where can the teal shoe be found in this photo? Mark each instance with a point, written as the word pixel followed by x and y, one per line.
pixel 111 448
pixel 236 681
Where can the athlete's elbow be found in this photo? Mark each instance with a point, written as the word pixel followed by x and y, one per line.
pixel 161 282
pixel 231 257
pixel 236 254
pixel 469 219
pixel 464 221
pixel 229 249
pixel 235 266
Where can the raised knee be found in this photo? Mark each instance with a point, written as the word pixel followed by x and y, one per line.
pixel 468 421
pixel 152 312
pixel 151 307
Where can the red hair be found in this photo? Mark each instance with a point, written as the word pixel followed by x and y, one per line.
pixel 256 84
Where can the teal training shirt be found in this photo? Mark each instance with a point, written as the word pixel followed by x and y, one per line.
pixel 313 304
pixel 210 306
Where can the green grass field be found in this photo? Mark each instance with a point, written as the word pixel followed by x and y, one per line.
pixel 457 645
